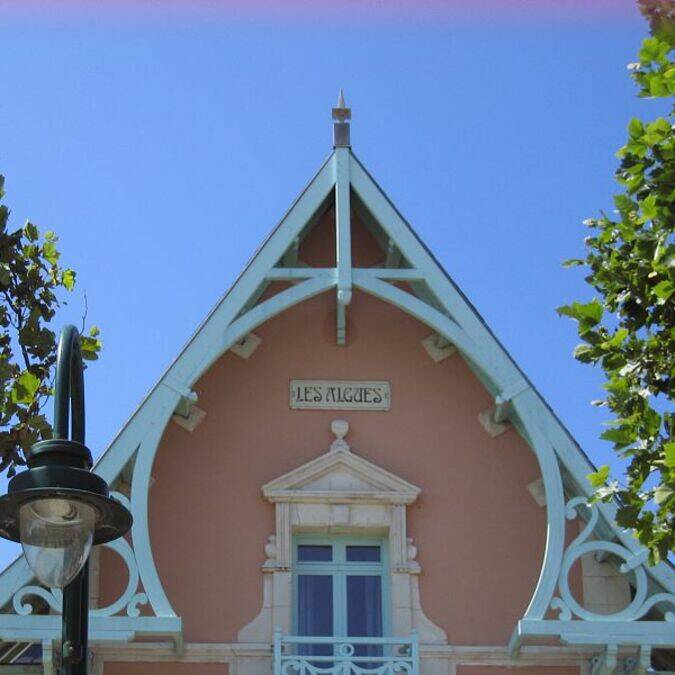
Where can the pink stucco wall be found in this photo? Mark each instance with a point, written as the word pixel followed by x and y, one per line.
pixel 165 668
pixel 479 532
pixel 519 670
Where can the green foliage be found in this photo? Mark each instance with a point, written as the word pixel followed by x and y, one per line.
pixel 630 330
pixel 30 280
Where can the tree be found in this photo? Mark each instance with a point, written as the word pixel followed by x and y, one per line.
pixel 31 282
pixel 629 330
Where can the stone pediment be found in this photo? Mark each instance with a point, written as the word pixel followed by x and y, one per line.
pixel 340 476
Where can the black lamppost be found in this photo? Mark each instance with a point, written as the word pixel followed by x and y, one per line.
pixel 58 509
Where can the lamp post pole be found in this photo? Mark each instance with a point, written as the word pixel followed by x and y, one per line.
pixel 69 424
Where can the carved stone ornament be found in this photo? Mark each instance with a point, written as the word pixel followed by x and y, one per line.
pixel 340 493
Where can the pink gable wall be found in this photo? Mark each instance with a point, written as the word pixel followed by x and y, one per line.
pixel 479 532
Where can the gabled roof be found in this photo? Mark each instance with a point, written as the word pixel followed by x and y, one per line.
pixel 435 301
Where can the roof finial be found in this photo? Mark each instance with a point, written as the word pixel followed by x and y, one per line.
pixel 341 116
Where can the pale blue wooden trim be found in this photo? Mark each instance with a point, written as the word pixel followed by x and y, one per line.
pixel 208 344
pixel 496 364
pixel 206 336
pixel 525 404
pixel 426 314
pixel 343 246
pixel 294 273
pixel 263 312
pixel 146 454
pixel 140 532
pixel 163 403
pixel 204 347
pixel 343 661
pixel 48 626
pixel 390 274
pixel 276 652
pixel 13 577
pixel 499 365
pixel 343 239
pixel 578 466
pixel 654 633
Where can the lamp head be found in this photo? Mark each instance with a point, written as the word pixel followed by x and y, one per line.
pixel 58 509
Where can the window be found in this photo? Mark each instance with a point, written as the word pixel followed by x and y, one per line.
pixel 340 590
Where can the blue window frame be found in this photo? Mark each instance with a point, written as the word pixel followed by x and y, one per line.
pixel 340 589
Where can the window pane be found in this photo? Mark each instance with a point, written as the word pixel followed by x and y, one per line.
pixel 315 553
pixel 364 614
pixel 315 611
pixel 363 554
pixel 364 606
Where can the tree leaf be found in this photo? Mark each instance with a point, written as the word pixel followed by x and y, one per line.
pixel 25 388
pixel 669 450
pixel 599 477
pixel 662 494
pixel 68 279
pixel 664 289
pixel 50 252
pixel 635 128
pixel 31 231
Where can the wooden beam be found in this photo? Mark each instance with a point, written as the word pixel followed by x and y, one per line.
pixel 396 274
pixel 294 273
pixel 343 238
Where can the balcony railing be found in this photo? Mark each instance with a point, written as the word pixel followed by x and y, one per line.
pixel 301 655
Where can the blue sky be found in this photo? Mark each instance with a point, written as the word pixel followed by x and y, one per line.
pixel 162 151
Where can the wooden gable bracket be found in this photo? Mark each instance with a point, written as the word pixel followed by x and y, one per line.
pixel 186 413
pixel 246 346
pixel 495 420
pixel 438 347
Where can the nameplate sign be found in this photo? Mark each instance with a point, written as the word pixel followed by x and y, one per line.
pixel 339 395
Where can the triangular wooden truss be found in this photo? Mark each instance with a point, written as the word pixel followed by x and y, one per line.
pixel 436 301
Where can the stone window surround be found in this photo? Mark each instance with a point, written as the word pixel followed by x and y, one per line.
pixel 340 493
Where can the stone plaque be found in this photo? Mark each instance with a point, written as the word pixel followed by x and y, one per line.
pixel 340 395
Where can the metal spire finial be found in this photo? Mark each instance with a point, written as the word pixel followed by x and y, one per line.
pixel 341 116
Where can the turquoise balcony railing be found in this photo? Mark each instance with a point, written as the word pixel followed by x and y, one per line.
pixel 301 655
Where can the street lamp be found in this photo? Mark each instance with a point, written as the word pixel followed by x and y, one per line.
pixel 58 509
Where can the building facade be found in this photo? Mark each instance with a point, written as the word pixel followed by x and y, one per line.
pixel 344 473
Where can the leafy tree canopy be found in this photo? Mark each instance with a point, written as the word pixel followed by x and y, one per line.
pixel 629 329
pixel 31 283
